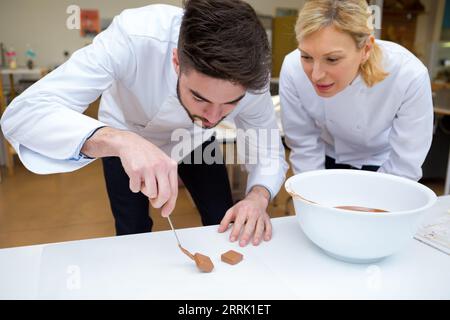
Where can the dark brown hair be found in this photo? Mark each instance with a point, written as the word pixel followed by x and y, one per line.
pixel 224 39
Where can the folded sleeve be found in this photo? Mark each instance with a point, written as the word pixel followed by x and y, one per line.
pixel 45 124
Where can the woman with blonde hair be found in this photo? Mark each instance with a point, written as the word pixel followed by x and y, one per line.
pixel 350 101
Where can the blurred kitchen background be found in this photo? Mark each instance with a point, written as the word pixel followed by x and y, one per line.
pixel 36 36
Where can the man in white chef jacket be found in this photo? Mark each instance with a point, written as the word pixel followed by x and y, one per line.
pixel 160 69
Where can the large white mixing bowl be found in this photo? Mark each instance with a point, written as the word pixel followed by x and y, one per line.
pixel 352 236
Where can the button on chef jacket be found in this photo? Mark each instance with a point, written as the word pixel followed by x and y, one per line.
pixel 388 125
pixel 130 65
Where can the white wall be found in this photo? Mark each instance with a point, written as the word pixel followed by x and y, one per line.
pixel 42 23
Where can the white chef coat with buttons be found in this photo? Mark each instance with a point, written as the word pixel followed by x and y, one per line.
pixel 388 125
pixel 130 65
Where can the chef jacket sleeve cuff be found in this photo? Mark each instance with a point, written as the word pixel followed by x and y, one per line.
pixel 78 155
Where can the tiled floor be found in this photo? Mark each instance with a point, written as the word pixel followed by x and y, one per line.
pixel 45 209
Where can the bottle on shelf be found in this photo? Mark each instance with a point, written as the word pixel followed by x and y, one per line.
pixel 31 56
pixel 11 56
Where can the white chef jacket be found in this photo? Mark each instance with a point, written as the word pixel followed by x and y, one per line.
pixel 389 125
pixel 130 65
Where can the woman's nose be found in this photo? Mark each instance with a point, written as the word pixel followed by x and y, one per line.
pixel 317 73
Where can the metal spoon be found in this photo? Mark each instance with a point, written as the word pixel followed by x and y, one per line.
pixel 203 262
pixel 186 252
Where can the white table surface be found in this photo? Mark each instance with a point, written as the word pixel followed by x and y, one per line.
pixel 149 266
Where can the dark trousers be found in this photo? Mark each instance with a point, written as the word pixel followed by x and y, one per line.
pixel 330 163
pixel 208 185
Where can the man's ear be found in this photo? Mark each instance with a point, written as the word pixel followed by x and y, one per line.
pixel 176 61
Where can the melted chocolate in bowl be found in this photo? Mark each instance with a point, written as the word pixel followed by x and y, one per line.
pixel 350 208
pixel 360 209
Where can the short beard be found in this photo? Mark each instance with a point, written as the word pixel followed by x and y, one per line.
pixel 195 119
